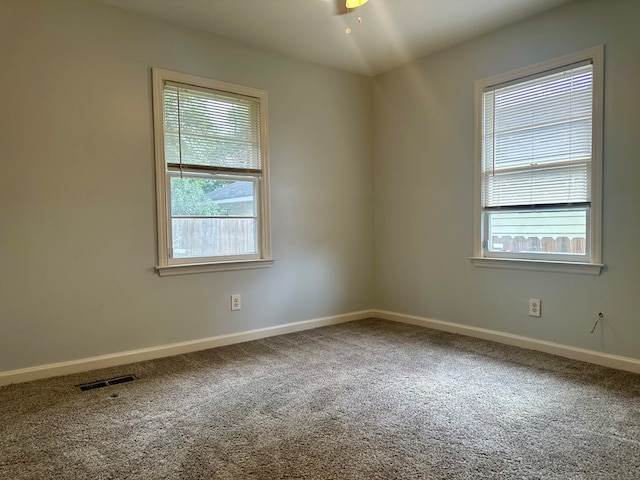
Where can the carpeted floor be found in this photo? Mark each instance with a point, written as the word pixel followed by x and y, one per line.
pixel 363 400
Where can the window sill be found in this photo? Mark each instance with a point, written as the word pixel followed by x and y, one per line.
pixel 170 270
pixel 538 265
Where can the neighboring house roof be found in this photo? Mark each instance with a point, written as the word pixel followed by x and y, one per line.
pixel 233 192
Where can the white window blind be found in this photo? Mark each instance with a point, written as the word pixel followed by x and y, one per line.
pixel 537 141
pixel 211 129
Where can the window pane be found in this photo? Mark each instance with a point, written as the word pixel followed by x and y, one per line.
pixel 213 217
pixel 207 128
pixel 207 197
pixel 543 144
pixel 537 137
pixel 553 231
pixel 559 184
pixel 542 120
pixel 235 198
pixel 212 237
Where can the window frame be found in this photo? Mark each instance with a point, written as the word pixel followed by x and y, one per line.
pixel 177 266
pixel 590 263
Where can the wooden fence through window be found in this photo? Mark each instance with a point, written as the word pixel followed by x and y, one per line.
pixel 204 237
pixel 574 245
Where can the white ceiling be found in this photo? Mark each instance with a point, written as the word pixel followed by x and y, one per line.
pixel 393 32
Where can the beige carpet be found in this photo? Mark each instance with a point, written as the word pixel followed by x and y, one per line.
pixel 364 400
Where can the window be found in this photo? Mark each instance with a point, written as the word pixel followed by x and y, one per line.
pixel 538 165
pixel 211 174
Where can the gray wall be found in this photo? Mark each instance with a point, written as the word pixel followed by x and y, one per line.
pixel 77 202
pixel 77 214
pixel 423 186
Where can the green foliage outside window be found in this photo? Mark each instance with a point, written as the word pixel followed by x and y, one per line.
pixel 189 197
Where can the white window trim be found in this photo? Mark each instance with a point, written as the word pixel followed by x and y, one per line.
pixel 165 267
pixel 594 266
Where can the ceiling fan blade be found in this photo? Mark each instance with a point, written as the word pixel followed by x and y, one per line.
pixel 340 7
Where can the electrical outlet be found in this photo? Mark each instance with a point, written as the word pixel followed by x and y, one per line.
pixel 236 303
pixel 534 307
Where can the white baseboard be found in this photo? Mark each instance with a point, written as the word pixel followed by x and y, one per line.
pixel 582 354
pixel 123 358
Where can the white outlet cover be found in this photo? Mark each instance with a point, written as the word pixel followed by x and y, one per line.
pixel 236 302
pixel 534 307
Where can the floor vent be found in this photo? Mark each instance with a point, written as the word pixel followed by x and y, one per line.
pixel 105 383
